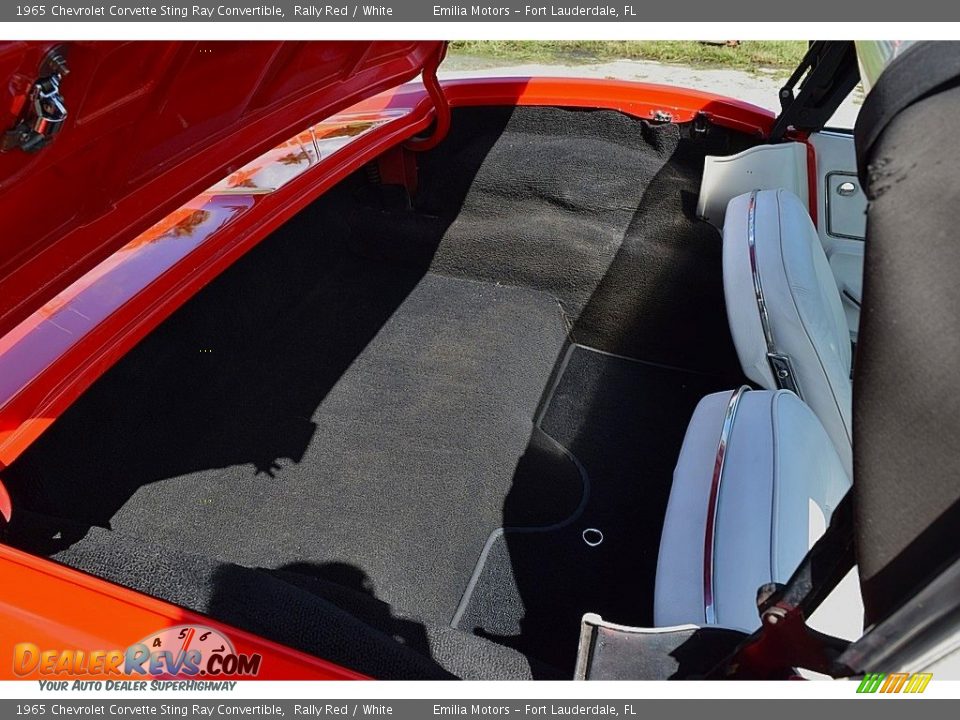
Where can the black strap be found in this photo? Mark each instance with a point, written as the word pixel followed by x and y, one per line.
pixel 921 70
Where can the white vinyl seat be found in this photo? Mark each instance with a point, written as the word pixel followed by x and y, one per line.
pixel 755 486
pixel 784 308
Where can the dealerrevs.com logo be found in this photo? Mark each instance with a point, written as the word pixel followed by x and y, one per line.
pixel 185 651
pixel 894 683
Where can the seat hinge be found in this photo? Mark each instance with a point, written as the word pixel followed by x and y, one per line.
pixel 783 373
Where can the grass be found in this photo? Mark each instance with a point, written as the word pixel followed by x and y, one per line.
pixel 749 55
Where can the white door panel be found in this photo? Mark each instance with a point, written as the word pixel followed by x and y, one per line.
pixel 841 217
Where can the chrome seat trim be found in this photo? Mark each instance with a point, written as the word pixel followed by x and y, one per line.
pixel 713 505
pixel 780 364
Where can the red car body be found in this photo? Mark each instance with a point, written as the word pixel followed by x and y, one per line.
pixel 181 157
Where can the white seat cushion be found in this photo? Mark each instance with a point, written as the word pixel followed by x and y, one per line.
pixel 804 312
pixel 780 481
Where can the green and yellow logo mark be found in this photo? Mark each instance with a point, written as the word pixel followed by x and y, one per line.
pixel 894 682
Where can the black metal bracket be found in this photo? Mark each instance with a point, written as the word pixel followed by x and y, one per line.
pixel 828 72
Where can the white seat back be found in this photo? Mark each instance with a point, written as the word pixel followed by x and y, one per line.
pixel 755 486
pixel 785 312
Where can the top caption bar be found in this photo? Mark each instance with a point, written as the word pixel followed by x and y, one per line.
pixel 502 11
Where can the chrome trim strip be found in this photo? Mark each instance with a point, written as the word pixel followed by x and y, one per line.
pixel 757 288
pixel 780 364
pixel 713 505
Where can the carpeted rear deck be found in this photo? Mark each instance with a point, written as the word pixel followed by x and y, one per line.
pixel 405 461
pixel 351 406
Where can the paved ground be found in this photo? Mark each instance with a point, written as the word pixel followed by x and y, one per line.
pixel 759 88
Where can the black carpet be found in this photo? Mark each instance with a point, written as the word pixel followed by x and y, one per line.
pixel 624 421
pixel 349 411
pixel 345 625
pixel 405 462
pixel 594 207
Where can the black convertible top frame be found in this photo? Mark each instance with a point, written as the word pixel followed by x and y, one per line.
pixel 829 72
